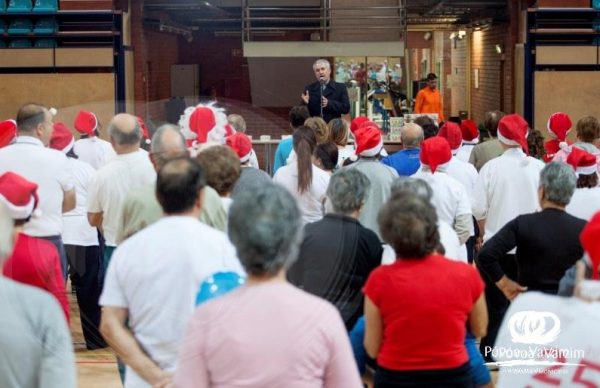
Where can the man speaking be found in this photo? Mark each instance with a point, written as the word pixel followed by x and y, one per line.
pixel 326 98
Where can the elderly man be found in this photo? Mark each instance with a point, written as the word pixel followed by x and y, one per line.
pixel 406 161
pixel 326 98
pixel 48 168
pixel 34 328
pixel 141 208
pixel 155 275
pixel 507 186
pixel 338 253
pixel 547 242
pixel 369 145
pixel 491 148
pixel 128 171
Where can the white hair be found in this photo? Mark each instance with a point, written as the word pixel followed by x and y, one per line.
pixel 322 61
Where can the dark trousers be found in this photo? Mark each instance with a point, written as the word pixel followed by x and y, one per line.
pixel 85 272
pixel 497 304
pixel 448 378
pixel 58 243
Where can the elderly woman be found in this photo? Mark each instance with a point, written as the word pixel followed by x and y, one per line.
pixel 266 333
pixel 417 309
pixel 338 253
pixel 547 242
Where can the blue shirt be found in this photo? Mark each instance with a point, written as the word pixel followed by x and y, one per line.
pixel 405 162
pixel 283 151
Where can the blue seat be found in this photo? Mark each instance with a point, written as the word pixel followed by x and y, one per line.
pixel 20 43
pixel 2 5
pixel 45 26
pixel 45 43
pixel 20 26
pixel 45 6
pixel 17 6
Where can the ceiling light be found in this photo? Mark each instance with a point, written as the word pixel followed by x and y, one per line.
pixel 500 49
pixel 453 36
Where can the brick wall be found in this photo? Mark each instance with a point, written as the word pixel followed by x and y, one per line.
pixel 494 92
pixel 458 78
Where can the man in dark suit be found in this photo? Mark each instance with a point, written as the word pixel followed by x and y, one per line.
pixel 334 98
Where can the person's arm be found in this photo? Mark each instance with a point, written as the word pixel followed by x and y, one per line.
pixel 57 368
pixel 373 328
pixel 95 219
pixel 55 282
pixel 342 106
pixel 191 366
pixel 123 342
pixel 69 200
pixel 478 318
pixel 341 369
pixel 463 224
pixel 419 102
pixel 279 160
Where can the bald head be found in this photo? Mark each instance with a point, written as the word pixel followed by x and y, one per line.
pixel 167 144
pixel 125 131
pixel 411 136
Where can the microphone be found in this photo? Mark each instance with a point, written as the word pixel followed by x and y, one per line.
pixel 322 81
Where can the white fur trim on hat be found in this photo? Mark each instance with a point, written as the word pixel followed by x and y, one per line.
pixel 586 170
pixel 246 157
pixel 18 212
pixel 69 146
pixel 507 141
pixel 471 142
pixel 217 134
pixel 373 151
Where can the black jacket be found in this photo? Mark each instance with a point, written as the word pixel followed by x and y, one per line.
pixel 337 96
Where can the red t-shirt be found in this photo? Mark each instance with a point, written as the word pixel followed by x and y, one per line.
pixel 424 305
pixel 36 262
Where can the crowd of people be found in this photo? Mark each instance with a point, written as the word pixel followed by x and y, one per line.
pixel 347 261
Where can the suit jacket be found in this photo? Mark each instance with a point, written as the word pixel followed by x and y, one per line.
pixel 337 96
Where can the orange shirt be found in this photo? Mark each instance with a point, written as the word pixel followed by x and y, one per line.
pixel 429 101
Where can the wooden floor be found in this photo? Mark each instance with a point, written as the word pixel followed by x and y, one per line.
pixel 97 368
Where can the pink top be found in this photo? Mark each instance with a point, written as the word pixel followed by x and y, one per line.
pixel 267 335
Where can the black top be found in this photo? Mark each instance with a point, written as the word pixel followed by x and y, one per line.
pixel 547 245
pixel 336 257
pixel 337 96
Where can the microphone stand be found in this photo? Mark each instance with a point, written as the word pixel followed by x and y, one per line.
pixel 321 83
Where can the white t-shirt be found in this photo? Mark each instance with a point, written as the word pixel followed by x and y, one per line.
pixel 156 274
pixel 94 151
pixel 345 153
pixel 254 160
pixel 450 198
pixel 48 168
pixel 464 152
pixel 464 172
pixel 311 201
pixel 506 187
pixel 584 203
pixel 112 184
pixel 76 229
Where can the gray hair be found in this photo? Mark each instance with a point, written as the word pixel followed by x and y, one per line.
pixel 323 62
pixel 237 122
pixel 6 233
pixel 411 135
pixel 558 181
pixel 348 190
pixel 164 148
pixel 124 129
pixel 412 186
pixel 265 227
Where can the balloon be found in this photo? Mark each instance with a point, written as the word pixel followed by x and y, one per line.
pixel 218 284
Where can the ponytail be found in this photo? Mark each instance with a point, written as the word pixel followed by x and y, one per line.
pixel 304 144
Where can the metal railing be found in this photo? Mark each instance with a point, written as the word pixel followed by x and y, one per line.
pixel 265 20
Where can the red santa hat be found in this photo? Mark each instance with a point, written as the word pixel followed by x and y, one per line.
pixel 18 195
pixel 357 122
pixel 204 123
pixel 512 131
pixel 86 123
pixel 241 144
pixel 144 129
pixel 62 138
pixel 369 141
pixel 590 242
pixel 452 133
pixel 582 161
pixel 435 152
pixel 559 125
pixel 8 132
pixel 469 131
